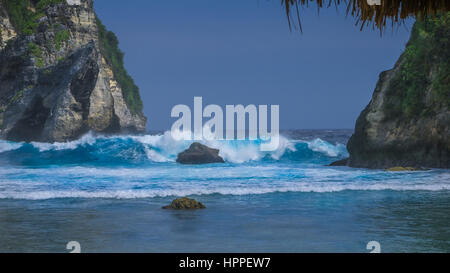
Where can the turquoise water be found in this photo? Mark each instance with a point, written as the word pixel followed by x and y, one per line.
pixel 107 193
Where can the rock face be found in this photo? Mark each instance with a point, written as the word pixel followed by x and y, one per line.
pixel 199 154
pixel 407 121
pixel 185 203
pixel 61 74
pixel 7 31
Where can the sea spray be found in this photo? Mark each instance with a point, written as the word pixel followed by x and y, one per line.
pixel 159 148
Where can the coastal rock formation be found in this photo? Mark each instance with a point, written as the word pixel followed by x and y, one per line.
pixel 184 203
pixel 62 74
pixel 342 162
pixel 7 31
pixel 408 119
pixel 199 154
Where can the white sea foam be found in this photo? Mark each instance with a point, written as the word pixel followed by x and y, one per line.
pixel 135 194
pixel 173 180
pixel 127 181
pixel 321 146
pixel 164 148
pixel 69 145
pixel 6 146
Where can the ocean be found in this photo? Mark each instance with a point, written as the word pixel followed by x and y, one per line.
pixel 106 192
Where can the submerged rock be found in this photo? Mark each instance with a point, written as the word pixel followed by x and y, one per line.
pixel 405 169
pixel 199 154
pixel 185 203
pixel 342 162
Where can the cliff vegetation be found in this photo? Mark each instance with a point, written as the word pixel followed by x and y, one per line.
pixel 109 47
pixel 24 14
pixel 425 62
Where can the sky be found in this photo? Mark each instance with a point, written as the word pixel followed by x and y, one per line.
pixel 243 52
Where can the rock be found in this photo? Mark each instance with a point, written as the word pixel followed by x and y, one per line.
pixel 57 89
pixel 199 154
pixel 184 203
pixel 400 169
pixel 342 162
pixel 407 122
pixel 404 169
pixel 7 31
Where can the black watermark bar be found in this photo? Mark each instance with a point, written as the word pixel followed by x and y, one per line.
pixel 241 262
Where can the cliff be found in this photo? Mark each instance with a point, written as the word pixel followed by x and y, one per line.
pixel 407 121
pixel 62 74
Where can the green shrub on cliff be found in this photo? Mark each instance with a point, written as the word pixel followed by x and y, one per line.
pixel 36 51
pixel 16 97
pixel 109 46
pixel 424 63
pixel 439 52
pixel 21 16
pixel 42 4
pixel 60 37
pixel 441 86
pixel 24 13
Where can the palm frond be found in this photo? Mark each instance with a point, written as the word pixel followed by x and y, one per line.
pixel 393 11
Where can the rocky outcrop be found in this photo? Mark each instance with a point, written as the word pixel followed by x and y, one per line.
pixel 58 79
pixel 199 154
pixel 405 169
pixel 407 121
pixel 7 31
pixel 342 162
pixel 184 203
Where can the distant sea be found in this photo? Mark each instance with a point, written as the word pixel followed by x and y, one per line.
pixel 107 192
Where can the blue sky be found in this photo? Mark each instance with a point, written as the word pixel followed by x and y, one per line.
pixel 242 52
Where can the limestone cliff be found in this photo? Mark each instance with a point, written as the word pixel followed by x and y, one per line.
pixel 61 73
pixel 407 121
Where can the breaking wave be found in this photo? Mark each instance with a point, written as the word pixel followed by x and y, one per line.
pixel 159 148
pixel 133 167
pixel 152 193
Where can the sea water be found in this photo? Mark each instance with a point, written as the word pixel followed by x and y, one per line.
pixel 106 192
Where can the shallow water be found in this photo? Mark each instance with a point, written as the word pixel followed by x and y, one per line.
pixel 107 193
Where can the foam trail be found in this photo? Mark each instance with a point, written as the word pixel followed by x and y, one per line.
pixel 137 194
pixel 164 148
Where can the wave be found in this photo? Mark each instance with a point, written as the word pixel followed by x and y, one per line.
pixel 154 193
pixel 159 148
pixel 166 180
pixel 6 146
